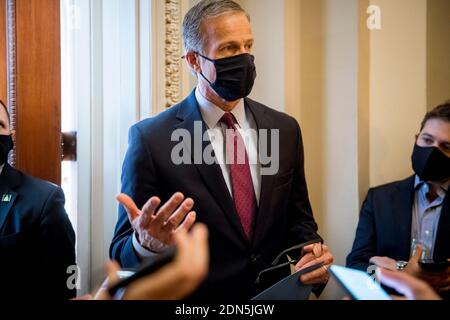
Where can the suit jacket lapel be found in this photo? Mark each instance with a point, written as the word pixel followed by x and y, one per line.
pixel 9 179
pixel 402 210
pixel 211 175
pixel 442 244
pixel 264 214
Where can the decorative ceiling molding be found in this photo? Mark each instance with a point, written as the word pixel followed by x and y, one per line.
pixel 11 68
pixel 173 43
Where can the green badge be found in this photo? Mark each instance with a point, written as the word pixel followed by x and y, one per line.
pixel 6 198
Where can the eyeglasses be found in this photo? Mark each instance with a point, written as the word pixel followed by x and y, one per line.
pixel 276 263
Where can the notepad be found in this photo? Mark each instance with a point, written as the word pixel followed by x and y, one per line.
pixel 290 288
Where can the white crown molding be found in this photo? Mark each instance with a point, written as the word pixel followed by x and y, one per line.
pixel 11 69
pixel 171 80
pixel 173 45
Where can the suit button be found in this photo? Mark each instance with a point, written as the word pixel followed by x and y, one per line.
pixel 254 258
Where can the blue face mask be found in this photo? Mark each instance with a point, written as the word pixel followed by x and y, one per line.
pixel 6 145
pixel 235 76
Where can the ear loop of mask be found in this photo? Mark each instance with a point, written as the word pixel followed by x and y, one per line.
pixel 201 73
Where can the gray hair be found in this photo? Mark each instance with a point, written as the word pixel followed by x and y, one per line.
pixel 192 31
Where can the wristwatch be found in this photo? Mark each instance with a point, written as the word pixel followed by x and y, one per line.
pixel 401 265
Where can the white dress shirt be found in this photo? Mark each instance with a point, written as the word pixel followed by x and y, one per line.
pixel 212 114
pixel 246 124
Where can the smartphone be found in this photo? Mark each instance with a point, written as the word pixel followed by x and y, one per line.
pixel 358 284
pixel 144 270
pixel 433 266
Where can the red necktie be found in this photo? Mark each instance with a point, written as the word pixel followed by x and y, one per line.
pixel 241 178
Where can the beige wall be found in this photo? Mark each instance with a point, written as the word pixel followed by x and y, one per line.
pixel 322 71
pixel 304 67
pixel 397 87
pixel 438 52
pixel 364 73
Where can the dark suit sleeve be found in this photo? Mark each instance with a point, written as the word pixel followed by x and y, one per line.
pixel 365 245
pixel 56 248
pixel 138 182
pixel 304 227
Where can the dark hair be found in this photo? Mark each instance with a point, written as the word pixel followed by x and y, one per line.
pixel 192 24
pixel 441 112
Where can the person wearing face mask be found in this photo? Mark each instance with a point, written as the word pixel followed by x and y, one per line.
pixel 411 218
pixel 252 216
pixel 37 241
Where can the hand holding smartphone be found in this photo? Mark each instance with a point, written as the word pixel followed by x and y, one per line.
pixel 358 284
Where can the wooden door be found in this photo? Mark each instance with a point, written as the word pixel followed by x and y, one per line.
pixel 30 83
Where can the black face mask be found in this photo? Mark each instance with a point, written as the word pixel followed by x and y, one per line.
pixel 6 145
pixel 430 164
pixel 235 76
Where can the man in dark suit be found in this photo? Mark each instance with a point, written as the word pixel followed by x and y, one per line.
pixel 253 208
pixel 399 217
pixel 37 241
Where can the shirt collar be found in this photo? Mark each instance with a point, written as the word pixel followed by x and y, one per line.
pixel 212 113
pixel 1 168
pixel 419 182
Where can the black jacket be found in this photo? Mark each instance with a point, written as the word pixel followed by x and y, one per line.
pixel 385 225
pixel 37 241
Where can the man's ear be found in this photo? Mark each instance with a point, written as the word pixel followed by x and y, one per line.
pixel 192 61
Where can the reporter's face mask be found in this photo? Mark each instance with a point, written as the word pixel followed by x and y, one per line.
pixel 6 145
pixel 235 76
pixel 430 164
